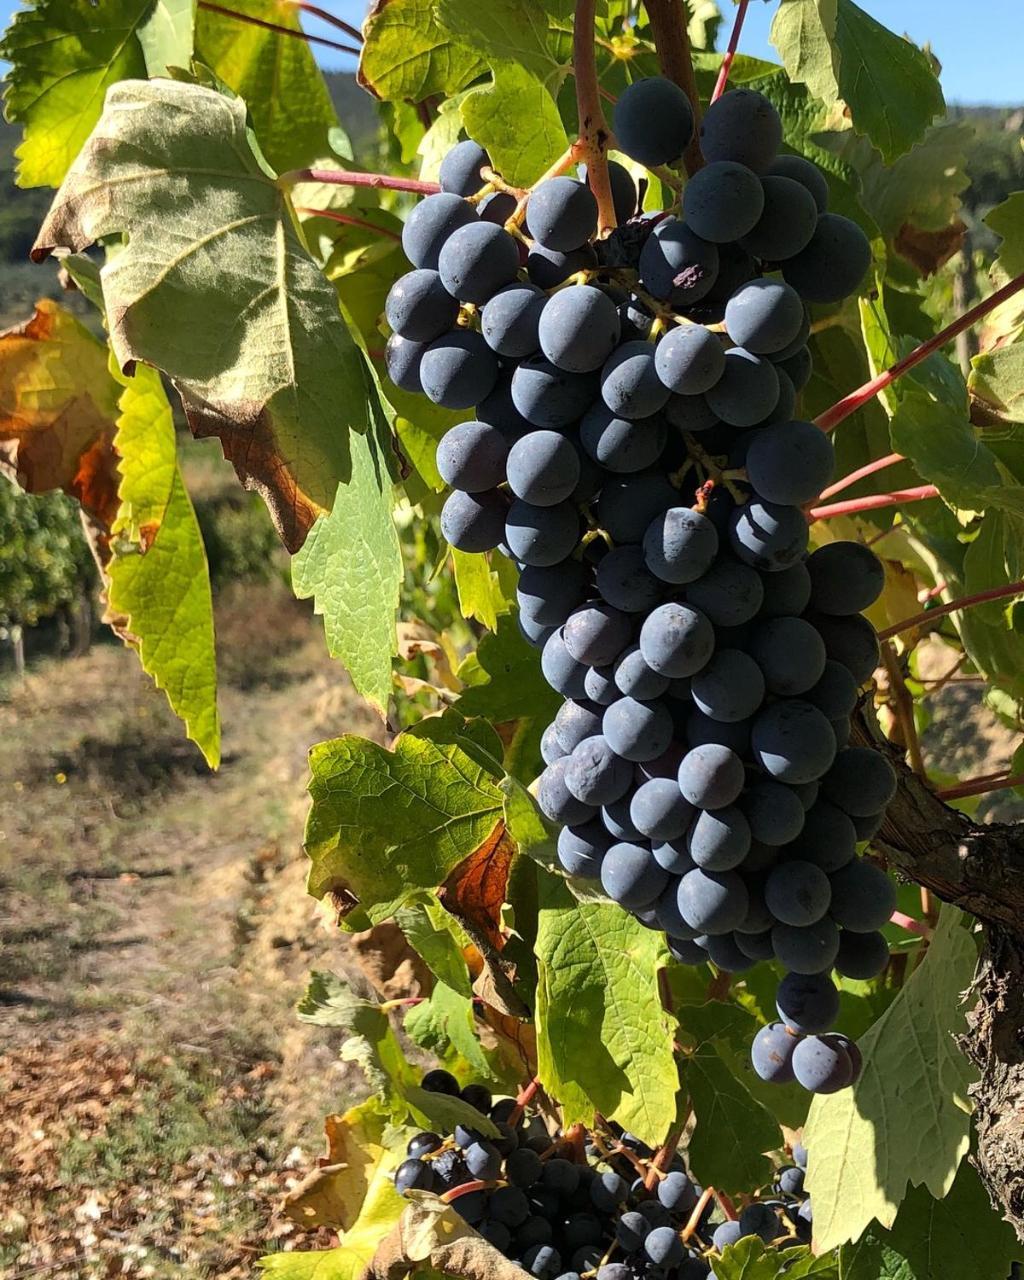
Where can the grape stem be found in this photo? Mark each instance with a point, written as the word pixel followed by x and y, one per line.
pixel 909 923
pixel 663 1156
pixel 693 1222
pixel 346 219
pixel 523 1100
pixel 980 787
pixel 466 1189
pixel 874 501
pixel 594 132
pixel 903 708
pixel 856 399
pixel 347 178
pixel 672 41
pixel 730 53
pixel 953 606
pixel 862 473
pixel 277 27
pixel 497 182
pixel 332 21
pixel 725 1204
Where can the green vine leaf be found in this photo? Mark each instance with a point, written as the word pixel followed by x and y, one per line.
pixel 907 1119
pixel 604 1041
pixel 494 115
pixel 167 35
pixel 1007 221
pixel 407 54
pixel 228 304
pixel 751 1259
pixel 536 37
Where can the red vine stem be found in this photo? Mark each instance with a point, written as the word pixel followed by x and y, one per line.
pixel 954 606
pixel 523 1101
pixel 316 12
pixel 345 178
pixel 466 1189
pixel 730 53
pixel 347 220
pixel 862 473
pixel 851 403
pixel 980 787
pixel 694 1220
pixel 875 500
pixel 668 26
pixel 276 27
pixel 909 923
pixel 594 133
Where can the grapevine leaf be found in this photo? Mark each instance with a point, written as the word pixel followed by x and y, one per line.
pixel 289 105
pixel 351 565
pixel 167 35
pixel 1007 221
pixel 476 889
pixel 504 678
pixel 332 1194
pixel 842 54
pixel 228 303
pixel 387 824
pixel 993 643
pixel 479 588
pixel 494 115
pixel 408 55
pixel 603 1039
pixel 537 37
pixel 432 1232
pixel 907 1118
pixel 438 938
pixel 751 1259
pixel 446 1019
pixel 732 1130
pixel 931 1239
pixel 158 580
pixel 58 411
pixel 65 54
pixel 997 381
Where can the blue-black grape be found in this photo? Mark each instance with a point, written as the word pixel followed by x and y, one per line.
pixel 497 207
pixel 747 391
pixel 677 1193
pixel 402 359
pixel 861 955
pixel 742 125
pixel 630 385
pixel 460 169
pixel 555 799
pixel 509 320
pixel 834 262
pixel 677 265
pixel 846 578
pixel 561 670
pixel 702 731
pixel 711 776
pixel 863 897
pixel 835 692
pixel 418 306
pixel 549 593
pixel 458 369
pixel 496 1233
pixel 768 536
pixel 714 902
pixel 764 316
pixel 771 1053
pixel 621 444
pixel 596 634
pixel 631 877
pixel 543 468
pixel 579 328
pixel 798 368
pixel 631 1230
pixel 541 535
pixel 414 1174
pixel 623 581
pixel 807 1003
pixel 637 730
pixel 635 679
pixel 595 774
pixel 790 654
pixel 474 521
pixel 680 545
pixel 807 174
pixel 851 641
pixel 627 505
pixel 676 640
pixel 792 741
pixel 773 811
pixel 471 456
pixel 719 840
pixel 729 593
pixel 821 1065
pixel 723 201
pixel 690 359
pixel 691 413
pixel 562 214
pixel 550 397
pixel 624 193
pixel 785 592
pixel 543 1261
pixel 664 1248
pixel 653 121
pixel 757 946
pixel 534 633
pixel 787 220
pixel 430 224
pixel 608 1190
pixel 790 463
pixel 599 683
pixel 575 721
pixel 477 260
pixel 483 1161
pixel 828 838
pixel 581 849
pixel 797 892
pixel 760 1220
pixel 659 811
pixel 730 688
pixel 523 1168
pixel 423 1143
pixel 548 268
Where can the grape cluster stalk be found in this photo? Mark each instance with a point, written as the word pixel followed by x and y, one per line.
pixel 637 452
pixel 579 1203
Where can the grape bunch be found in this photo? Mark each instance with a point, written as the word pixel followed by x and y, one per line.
pixel 635 450
pixel 567 1205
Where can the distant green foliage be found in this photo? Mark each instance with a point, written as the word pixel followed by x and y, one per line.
pixel 44 558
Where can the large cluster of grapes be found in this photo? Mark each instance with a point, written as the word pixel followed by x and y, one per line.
pixel 565 1206
pixel 635 451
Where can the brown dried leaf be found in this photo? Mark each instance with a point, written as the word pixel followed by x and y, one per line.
pixel 928 250
pixel 333 1194
pixel 476 890
pixel 431 1230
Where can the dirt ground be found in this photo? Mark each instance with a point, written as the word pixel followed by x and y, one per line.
pixel 157 1094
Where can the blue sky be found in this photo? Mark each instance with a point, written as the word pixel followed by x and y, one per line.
pixel 980 45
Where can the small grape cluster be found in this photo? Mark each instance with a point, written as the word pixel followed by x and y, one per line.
pixel 635 451
pixel 566 1206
